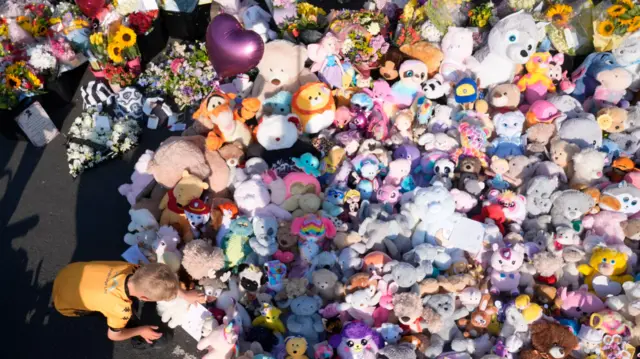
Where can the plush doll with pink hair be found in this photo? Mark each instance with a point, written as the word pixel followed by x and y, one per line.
pixel 312 229
pixel 221 343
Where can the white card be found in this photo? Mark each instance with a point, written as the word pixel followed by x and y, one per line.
pixel 36 124
pixel 152 122
pixel 467 235
pixel 177 127
pixel 102 122
pixel 134 255
pixel 195 319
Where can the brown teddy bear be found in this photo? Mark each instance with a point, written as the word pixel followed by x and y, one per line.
pixel 561 153
pixel 539 136
pixel 286 240
pixel 174 156
pixel 550 341
pixel 469 167
pixel 187 189
pixel 409 310
pixel 547 297
pixel 222 161
pixel 425 52
pixel 631 230
pixel 504 97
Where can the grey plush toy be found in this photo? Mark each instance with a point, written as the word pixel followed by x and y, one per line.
pixel 568 208
pixel 539 193
pixel 584 132
pixel 406 275
pixel 445 306
pixel 264 243
pixel 397 351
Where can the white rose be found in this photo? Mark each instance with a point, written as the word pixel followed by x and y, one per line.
pixel 374 28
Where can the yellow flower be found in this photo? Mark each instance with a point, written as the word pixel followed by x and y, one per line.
pixel 35 81
pixel 13 81
pixel 96 39
pixel 625 22
pixel 606 28
pixel 307 10
pixel 616 10
pixel 559 14
pixel 115 52
pixel 40 31
pixel 125 36
pixel 635 24
pixel 55 20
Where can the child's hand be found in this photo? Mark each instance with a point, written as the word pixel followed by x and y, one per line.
pixel 149 334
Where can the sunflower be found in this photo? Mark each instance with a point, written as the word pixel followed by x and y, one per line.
pixel 125 36
pixel 13 81
pixel 606 28
pixel 559 13
pixel 40 30
pixel 115 52
pixel 626 22
pixel 616 10
pixel 35 81
pixel 635 24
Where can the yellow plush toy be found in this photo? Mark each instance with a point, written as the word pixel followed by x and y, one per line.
pixel 296 348
pixel 605 272
pixel 188 188
pixel 313 103
pixel 270 319
pixel 530 311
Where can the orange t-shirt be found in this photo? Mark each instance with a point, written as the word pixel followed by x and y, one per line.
pixel 86 287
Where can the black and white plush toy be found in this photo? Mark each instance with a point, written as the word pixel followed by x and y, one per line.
pixel 251 278
pixel 129 103
pixel 96 94
pixel 436 89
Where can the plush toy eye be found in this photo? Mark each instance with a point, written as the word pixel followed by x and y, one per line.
pixel 505 125
pixel 609 62
pixel 626 199
pixel 364 342
pixel 350 343
pixel 613 261
pixel 512 38
pixel 604 260
pixel 408 73
pixel 633 203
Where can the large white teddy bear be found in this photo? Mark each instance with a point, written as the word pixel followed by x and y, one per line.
pixel 512 41
pixel 435 210
pixel 457 47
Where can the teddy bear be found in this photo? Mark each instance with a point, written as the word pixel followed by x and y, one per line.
pixel 143 228
pixel 434 209
pixel 549 268
pixel 547 297
pixel 174 156
pixel 304 319
pixel 504 97
pixel 612 119
pixel 468 167
pixel 141 180
pixel 631 228
pixel 561 153
pixel 605 271
pixel 293 288
pixel 361 304
pixel 627 304
pixel 324 281
pixel 511 42
pixel 464 201
pixel 505 266
pixel 521 169
pixel 509 128
pixel 226 161
pixel 165 247
pixel 263 243
pixel 253 198
pixel 582 131
pixel 445 306
pixel 570 274
pixel 430 54
pixel 569 207
pixel 281 69
pixel 296 347
pixel 550 340
pixel 457 46
pixel 221 343
pixel 410 311
pixel 588 166
pixel 476 325
pixel 538 138
pixel 539 194
pixel 202 260
pixel 187 189
pixel 391 333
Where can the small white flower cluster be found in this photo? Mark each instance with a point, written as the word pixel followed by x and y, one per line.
pixel 120 138
pixel 41 58
pixel 126 7
pixel 429 32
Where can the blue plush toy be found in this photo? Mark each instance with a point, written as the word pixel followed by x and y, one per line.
pixel 585 76
pixel 308 163
pixel 280 103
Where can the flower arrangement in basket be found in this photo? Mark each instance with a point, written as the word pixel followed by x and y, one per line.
pixel 613 21
pixel 307 27
pixel 364 37
pixel 185 74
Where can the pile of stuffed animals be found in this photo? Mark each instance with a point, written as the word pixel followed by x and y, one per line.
pixel 488 210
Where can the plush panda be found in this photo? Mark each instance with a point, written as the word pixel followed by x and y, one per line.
pixel 436 89
pixel 278 142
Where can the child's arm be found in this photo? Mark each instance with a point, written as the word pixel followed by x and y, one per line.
pixel 147 332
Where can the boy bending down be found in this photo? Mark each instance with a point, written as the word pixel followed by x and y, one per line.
pixel 110 288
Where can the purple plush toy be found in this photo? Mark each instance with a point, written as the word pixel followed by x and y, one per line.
pixel 357 341
pixel 409 152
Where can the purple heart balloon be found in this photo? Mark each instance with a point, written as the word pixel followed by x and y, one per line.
pixel 231 48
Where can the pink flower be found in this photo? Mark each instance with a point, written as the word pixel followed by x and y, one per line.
pixel 377 42
pixel 175 65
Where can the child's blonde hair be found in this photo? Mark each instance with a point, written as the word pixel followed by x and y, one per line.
pixel 156 281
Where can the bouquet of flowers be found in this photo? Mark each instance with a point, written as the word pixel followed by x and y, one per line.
pixel 142 22
pixel 22 79
pixel 479 16
pixel 569 28
pixel 613 21
pixel 118 47
pixel 118 75
pixel 122 45
pixel 35 19
pixel 408 29
pixel 90 145
pixel 445 13
pixel 308 25
pixel 363 34
pixel 8 97
pixel 69 22
pixel 185 74
pixel 42 59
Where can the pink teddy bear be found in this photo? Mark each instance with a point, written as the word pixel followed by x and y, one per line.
pixel 606 224
pixel 579 303
pixel 140 179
